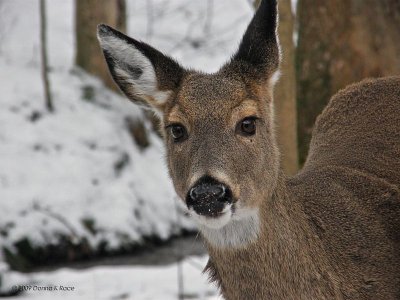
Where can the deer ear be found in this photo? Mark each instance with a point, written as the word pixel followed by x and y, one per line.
pixel 145 75
pixel 259 51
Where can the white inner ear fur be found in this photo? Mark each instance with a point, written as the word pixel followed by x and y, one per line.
pixel 126 54
pixel 274 78
pixel 277 74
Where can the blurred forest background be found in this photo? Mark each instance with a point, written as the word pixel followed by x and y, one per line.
pixel 82 175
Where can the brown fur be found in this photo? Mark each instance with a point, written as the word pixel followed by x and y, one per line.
pixel 349 187
pixel 333 230
pixel 209 105
pixel 330 232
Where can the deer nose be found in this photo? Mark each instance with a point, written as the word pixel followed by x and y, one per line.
pixel 204 191
pixel 208 197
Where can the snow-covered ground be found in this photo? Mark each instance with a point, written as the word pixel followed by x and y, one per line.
pixel 128 282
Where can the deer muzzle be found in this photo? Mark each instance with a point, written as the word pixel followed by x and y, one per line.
pixel 208 197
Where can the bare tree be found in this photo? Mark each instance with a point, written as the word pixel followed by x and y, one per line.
pixel 44 60
pixel 285 91
pixel 88 14
pixel 340 42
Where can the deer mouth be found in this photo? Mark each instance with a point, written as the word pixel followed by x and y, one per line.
pixel 210 198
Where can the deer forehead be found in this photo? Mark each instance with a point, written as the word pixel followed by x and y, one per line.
pixel 225 114
pixel 206 97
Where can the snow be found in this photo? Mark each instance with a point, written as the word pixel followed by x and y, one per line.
pixel 127 282
pixel 201 35
pixel 63 164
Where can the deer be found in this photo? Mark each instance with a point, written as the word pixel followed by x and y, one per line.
pixel 332 231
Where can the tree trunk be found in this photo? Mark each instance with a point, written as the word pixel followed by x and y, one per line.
pixel 88 14
pixel 285 91
pixel 340 42
pixel 44 60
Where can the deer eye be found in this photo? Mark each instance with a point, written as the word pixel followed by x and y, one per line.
pixel 247 126
pixel 178 132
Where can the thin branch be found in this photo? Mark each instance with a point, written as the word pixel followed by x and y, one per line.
pixel 43 52
pixel 60 218
pixel 180 256
pixel 150 19
pixel 209 17
pixel 191 27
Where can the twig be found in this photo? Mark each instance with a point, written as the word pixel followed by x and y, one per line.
pixel 59 218
pixel 150 19
pixel 209 17
pixel 43 52
pixel 186 38
pixel 180 256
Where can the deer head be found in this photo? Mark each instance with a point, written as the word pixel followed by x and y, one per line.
pixel 218 128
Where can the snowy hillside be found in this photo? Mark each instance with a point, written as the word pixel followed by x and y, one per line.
pixel 77 175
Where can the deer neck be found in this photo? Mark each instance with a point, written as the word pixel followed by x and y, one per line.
pixel 284 261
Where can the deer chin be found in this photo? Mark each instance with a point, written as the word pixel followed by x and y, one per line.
pixel 214 222
pixel 236 227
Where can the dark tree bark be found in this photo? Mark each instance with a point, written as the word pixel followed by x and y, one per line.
pixel 341 42
pixel 285 91
pixel 44 60
pixel 88 14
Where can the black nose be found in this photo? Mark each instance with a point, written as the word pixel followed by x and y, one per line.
pixel 206 190
pixel 208 196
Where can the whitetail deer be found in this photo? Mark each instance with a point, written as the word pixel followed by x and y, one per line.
pixel 330 232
